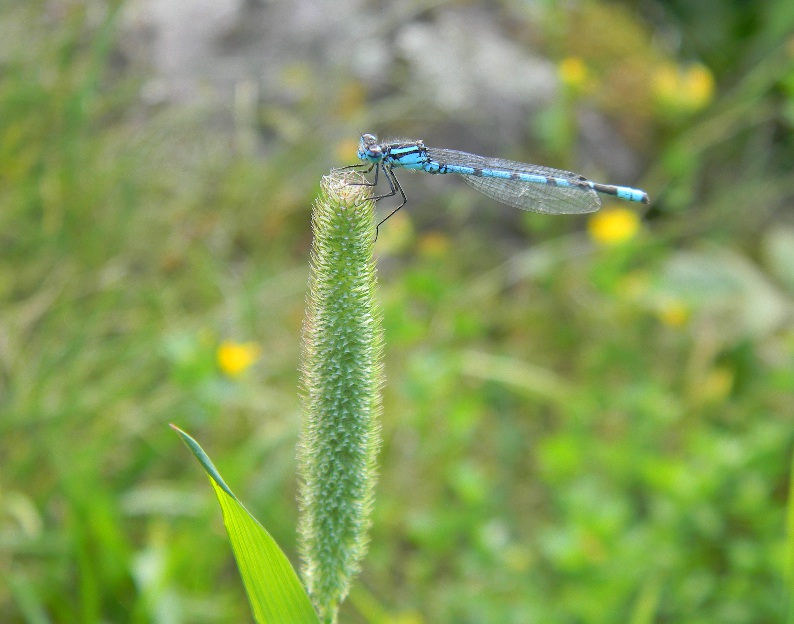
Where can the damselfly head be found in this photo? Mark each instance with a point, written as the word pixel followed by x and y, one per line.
pixel 368 148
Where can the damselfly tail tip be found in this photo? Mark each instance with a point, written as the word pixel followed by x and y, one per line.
pixel 645 199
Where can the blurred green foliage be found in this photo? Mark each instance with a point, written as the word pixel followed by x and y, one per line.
pixel 574 431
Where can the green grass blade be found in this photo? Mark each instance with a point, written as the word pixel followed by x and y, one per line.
pixel 789 549
pixel 274 591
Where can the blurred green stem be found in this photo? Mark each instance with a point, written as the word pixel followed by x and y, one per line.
pixel 342 378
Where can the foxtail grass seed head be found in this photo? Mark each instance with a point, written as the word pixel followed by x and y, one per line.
pixel 341 381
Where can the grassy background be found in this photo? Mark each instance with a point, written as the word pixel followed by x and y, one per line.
pixel 574 431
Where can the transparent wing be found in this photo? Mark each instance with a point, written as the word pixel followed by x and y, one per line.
pixel 535 197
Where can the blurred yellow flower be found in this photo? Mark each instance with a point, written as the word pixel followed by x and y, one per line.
pixel 699 85
pixel 572 72
pixel 673 313
pixel 685 89
pixel 235 357
pixel 613 226
pixel 434 244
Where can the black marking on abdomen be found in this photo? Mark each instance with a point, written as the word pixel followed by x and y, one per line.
pixel 607 189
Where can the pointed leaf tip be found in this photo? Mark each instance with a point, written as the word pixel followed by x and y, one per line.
pixel 274 591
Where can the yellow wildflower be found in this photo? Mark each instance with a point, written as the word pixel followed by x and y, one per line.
pixel 572 72
pixel 617 225
pixel 434 244
pixel 673 313
pixel 234 357
pixel 685 89
pixel 699 85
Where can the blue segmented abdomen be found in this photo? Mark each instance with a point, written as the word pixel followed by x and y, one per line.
pixel 623 192
pixel 528 187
